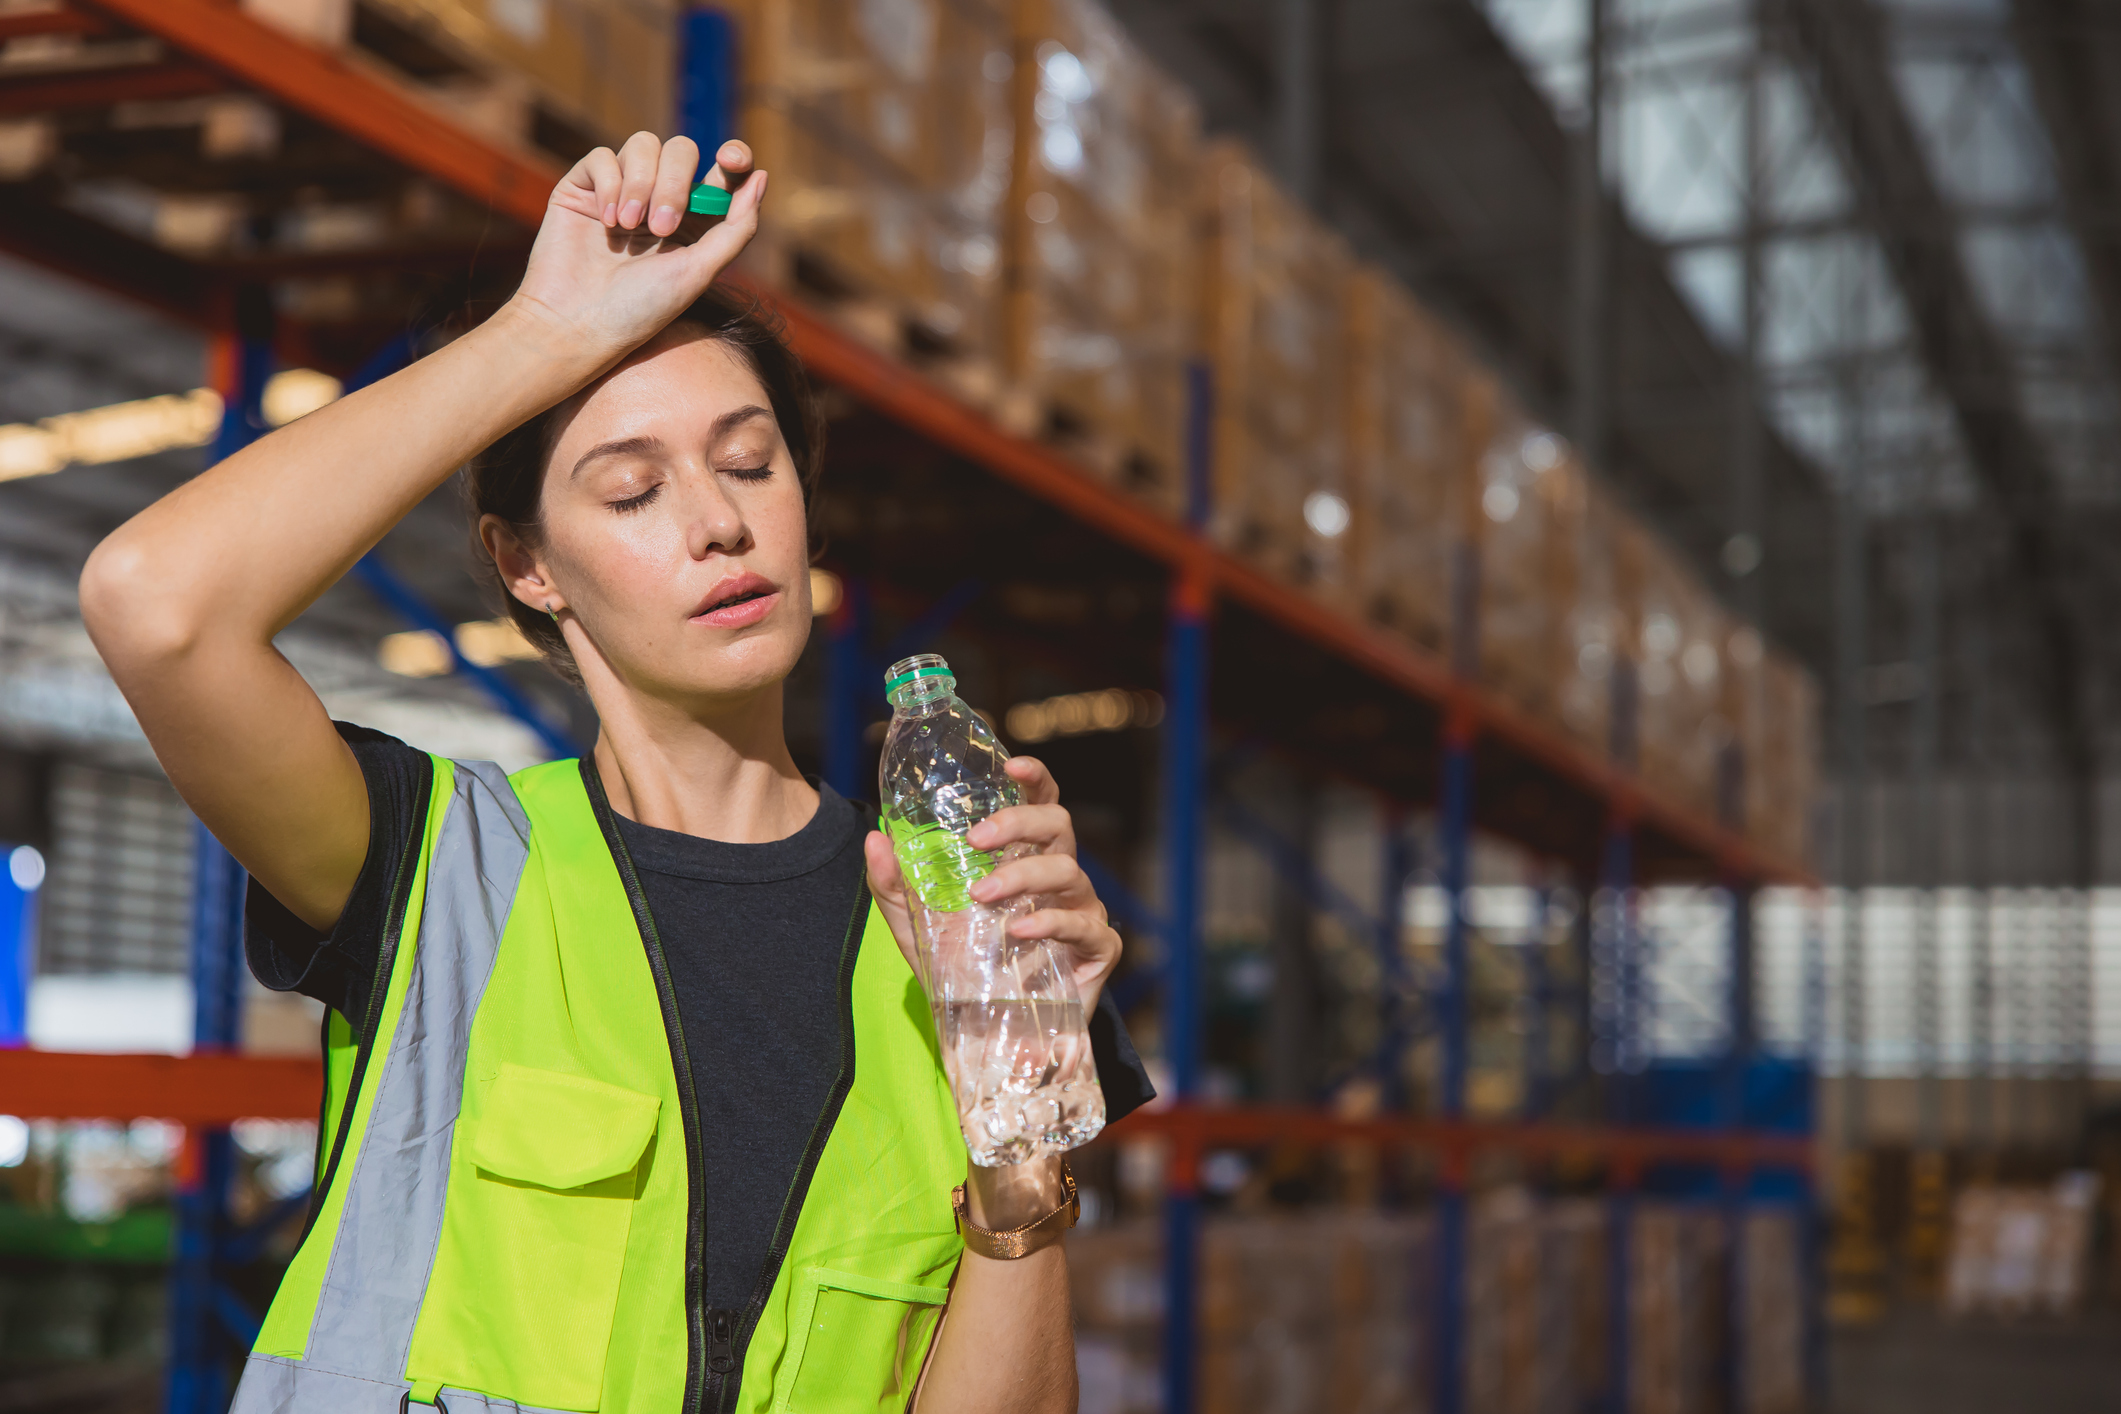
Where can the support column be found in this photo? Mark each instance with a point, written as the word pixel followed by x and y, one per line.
pixel 200 1348
pixel 1291 1071
pixel 707 79
pixel 1297 99
pixel 1740 1049
pixel 1454 849
pixel 1538 989
pixel 1394 994
pixel 1589 331
pixel 1929 1194
pixel 1185 742
pixel 1623 1047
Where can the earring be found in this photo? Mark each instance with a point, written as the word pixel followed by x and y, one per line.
pixel 550 612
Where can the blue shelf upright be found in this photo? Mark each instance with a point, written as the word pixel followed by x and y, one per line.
pixel 1185 742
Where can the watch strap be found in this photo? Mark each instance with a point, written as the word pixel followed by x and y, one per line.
pixel 1019 1241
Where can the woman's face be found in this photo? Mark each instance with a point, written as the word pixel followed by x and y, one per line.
pixel 674 528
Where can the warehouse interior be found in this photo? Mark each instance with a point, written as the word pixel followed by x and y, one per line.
pixel 1553 546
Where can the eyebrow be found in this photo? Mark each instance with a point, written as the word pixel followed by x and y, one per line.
pixel 730 420
pixel 645 446
pixel 624 446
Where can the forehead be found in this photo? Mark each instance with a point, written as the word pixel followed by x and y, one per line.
pixel 677 383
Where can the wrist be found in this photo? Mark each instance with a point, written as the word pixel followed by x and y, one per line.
pixel 565 355
pixel 1011 1195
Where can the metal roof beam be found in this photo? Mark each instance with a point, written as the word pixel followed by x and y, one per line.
pixel 1846 45
pixel 2057 39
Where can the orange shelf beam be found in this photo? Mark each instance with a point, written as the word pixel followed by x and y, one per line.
pixel 517 186
pixel 210 1089
pixel 1194 1128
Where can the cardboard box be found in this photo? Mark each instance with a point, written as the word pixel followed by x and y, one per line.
pixel 596 71
pixel 888 130
pixel 1411 451
pixel 1099 243
pixel 1274 311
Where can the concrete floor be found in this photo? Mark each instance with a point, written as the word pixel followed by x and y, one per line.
pixel 1919 1362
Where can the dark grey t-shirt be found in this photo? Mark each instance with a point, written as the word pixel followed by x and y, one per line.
pixel 753 935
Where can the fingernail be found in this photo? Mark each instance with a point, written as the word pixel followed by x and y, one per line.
pixel 630 214
pixel 664 221
pixel 611 213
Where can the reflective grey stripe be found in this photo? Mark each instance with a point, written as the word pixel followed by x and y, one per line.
pixel 272 1385
pixel 392 1220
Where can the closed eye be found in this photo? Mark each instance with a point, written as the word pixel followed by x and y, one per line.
pixel 640 502
pixel 761 472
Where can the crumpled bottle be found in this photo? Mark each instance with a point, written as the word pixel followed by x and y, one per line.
pixel 1009 1019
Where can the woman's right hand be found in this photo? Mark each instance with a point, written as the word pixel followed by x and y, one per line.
pixel 603 268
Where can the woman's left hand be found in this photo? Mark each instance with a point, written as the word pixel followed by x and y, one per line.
pixel 1069 912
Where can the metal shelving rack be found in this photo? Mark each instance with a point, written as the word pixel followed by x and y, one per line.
pixel 1561 799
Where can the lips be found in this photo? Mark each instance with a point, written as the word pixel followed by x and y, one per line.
pixel 738 601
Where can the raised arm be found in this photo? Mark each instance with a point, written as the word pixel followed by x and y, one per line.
pixel 183 600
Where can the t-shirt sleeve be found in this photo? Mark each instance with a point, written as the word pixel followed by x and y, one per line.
pixel 339 968
pixel 1120 1072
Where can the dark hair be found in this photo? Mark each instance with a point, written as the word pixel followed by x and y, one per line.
pixel 507 479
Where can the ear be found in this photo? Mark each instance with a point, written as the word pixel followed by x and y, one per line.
pixel 522 570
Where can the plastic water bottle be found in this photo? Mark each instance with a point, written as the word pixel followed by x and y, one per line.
pixel 1006 1011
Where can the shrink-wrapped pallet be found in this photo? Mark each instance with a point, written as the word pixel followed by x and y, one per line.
pixel 1502 1299
pixel 1534 503
pixel 1597 632
pixel 1679 638
pixel 886 125
pixel 1274 306
pixel 1772 1351
pixel 1573 1334
pixel 1099 249
pixel 559 74
pixel 1676 1308
pixel 1782 759
pixel 1411 453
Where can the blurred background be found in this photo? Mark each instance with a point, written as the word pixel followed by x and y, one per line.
pixel 1554 545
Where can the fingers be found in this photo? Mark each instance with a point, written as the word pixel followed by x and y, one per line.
pixel 680 158
pixel 1049 827
pixel 1029 772
pixel 732 160
pixel 1056 876
pixel 1094 943
pixel 591 187
pixel 885 880
pixel 638 161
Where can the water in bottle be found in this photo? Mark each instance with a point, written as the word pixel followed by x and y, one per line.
pixel 1006 1011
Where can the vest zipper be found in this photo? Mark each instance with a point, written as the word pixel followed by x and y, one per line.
pixel 721 1341
pixel 820 1133
pixel 697 1355
pixel 372 1021
pixel 717 1339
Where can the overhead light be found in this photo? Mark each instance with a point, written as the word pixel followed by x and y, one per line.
pixel 119 432
pixel 487 643
pixel 1325 513
pixel 1080 713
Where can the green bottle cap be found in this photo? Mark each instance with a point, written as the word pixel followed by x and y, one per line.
pixel 708 200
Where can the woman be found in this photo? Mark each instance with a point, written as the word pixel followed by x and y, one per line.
pixel 596 1137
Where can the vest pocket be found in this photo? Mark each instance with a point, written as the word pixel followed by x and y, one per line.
pixel 860 1342
pixel 534 1240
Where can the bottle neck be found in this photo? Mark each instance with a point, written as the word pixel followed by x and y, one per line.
pixel 922 697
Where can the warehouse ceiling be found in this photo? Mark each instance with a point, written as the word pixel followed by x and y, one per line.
pixel 1934 187
pixel 1937 242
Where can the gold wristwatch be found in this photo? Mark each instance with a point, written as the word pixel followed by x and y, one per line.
pixel 1018 1241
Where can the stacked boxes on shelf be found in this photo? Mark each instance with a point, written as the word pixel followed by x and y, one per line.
pixel 1412 406
pixel 1005 193
pixel 557 74
pixel 1097 239
pixel 1330 1309
pixel 887 128
pixel 1273 324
